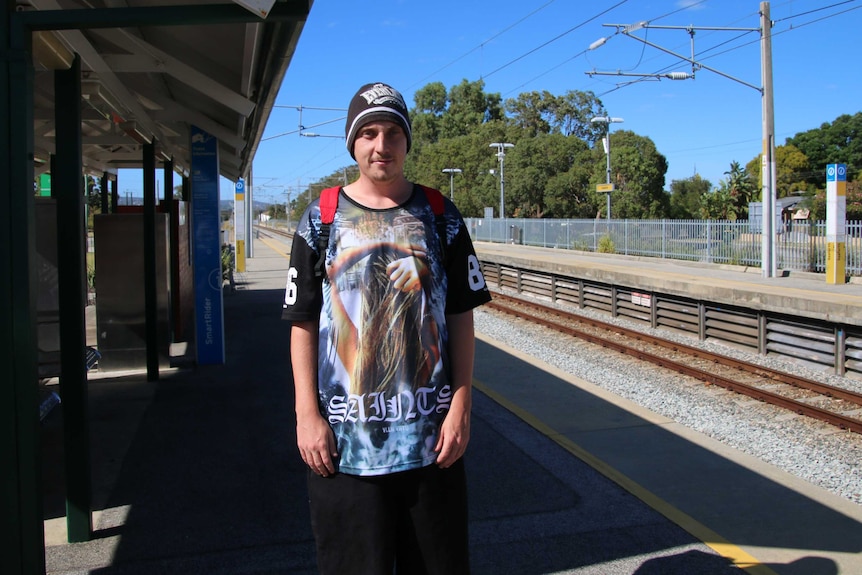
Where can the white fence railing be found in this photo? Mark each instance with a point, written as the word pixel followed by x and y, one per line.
pixel 799 246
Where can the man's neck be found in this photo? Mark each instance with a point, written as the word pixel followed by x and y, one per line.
pixel 379 195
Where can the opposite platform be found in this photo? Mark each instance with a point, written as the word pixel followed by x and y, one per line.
pixel 796 293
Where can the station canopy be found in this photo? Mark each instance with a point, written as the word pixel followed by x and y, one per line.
pixel 153 68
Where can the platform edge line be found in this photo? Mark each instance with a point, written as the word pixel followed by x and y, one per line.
pixel 278 249
pixel 701 532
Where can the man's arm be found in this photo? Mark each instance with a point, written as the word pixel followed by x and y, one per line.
pixel 455 429
pixel 314 437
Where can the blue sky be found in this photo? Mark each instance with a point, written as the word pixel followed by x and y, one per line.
pixel 699 125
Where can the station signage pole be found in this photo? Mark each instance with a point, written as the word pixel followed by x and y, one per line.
pixel 239 225
pixel 206 248
pixel 836 210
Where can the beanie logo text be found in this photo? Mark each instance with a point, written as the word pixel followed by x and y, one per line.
pixel 381 94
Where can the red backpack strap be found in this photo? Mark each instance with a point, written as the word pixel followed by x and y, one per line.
pixel 328 205
pixel 435 199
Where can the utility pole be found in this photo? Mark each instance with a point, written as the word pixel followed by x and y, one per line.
pixel 768 170
pixel 767 166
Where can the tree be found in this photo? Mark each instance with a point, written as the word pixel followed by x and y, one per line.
pixel 685 197
pixel 837 143
pixel 469 106
pixel 475 187
pixel 425 118
pixel 740 189
pixel 717 204
pixel 94 195
pixel 531 112
pixel 543 176
pixel 544 113
pixel 553 168
pixel 791 171
pixel 573 112
pixel 637 171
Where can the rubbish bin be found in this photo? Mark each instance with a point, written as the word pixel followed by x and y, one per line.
pixel 515 234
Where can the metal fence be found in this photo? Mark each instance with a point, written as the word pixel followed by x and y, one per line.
pixel 799 246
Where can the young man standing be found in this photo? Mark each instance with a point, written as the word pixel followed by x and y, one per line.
pixel 382 353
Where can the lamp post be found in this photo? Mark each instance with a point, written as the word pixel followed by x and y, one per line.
pixel 501 153
pixel 607 120
pixel 452 172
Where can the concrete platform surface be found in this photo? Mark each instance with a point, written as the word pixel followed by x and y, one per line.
pixel 199 473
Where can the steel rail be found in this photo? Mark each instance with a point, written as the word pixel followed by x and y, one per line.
pixel 748 367
pixel 772 398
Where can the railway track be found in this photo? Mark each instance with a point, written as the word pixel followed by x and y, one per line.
pixel 834 405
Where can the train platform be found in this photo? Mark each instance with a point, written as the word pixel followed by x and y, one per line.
pixel 790 292
pixel 199 473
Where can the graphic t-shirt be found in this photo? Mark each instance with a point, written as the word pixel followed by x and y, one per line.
pixel 383 363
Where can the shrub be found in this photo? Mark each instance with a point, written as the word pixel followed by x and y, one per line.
pixel 606 245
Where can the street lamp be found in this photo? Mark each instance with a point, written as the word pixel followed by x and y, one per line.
pixel 501 153
pixel 607 143
pixel 452 172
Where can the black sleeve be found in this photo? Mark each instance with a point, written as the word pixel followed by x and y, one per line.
pixel 303 294
pixel 467 287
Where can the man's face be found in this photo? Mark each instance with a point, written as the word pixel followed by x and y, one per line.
pixel 380 148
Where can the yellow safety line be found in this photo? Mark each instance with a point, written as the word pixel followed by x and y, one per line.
pixel 277 247
pixel 703 533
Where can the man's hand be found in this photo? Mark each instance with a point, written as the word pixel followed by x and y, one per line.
pixel 316 444
pixel 454 436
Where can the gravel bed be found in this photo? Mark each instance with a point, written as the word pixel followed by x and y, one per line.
pixel 816 452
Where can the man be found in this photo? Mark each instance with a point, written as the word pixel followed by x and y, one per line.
pixel 382 355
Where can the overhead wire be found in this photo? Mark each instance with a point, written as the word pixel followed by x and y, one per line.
pixel 778 33
pixel 554 39
pixel 484 42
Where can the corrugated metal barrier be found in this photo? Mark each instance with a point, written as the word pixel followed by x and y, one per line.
pixel 816 344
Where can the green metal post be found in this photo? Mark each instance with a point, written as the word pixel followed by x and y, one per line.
pixel 150 291
pixel 72 279
pixel 21 516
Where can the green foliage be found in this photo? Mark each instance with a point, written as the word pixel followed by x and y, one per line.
pixel 227 262
pixel 606 245
pixel 439 114
pixel 555 165
pixel 740 190
pixel 837 143
pixel 637 171
pixel 685 197
pixel 816 202
pixel 717 204
pixel 544 176
pixel 791 171
pixel 543 113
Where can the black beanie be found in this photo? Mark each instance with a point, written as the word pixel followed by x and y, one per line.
pixel 376 101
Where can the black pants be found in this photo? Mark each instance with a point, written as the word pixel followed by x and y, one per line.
pixel 410 523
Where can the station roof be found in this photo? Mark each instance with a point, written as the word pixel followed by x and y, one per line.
pixel 152 68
